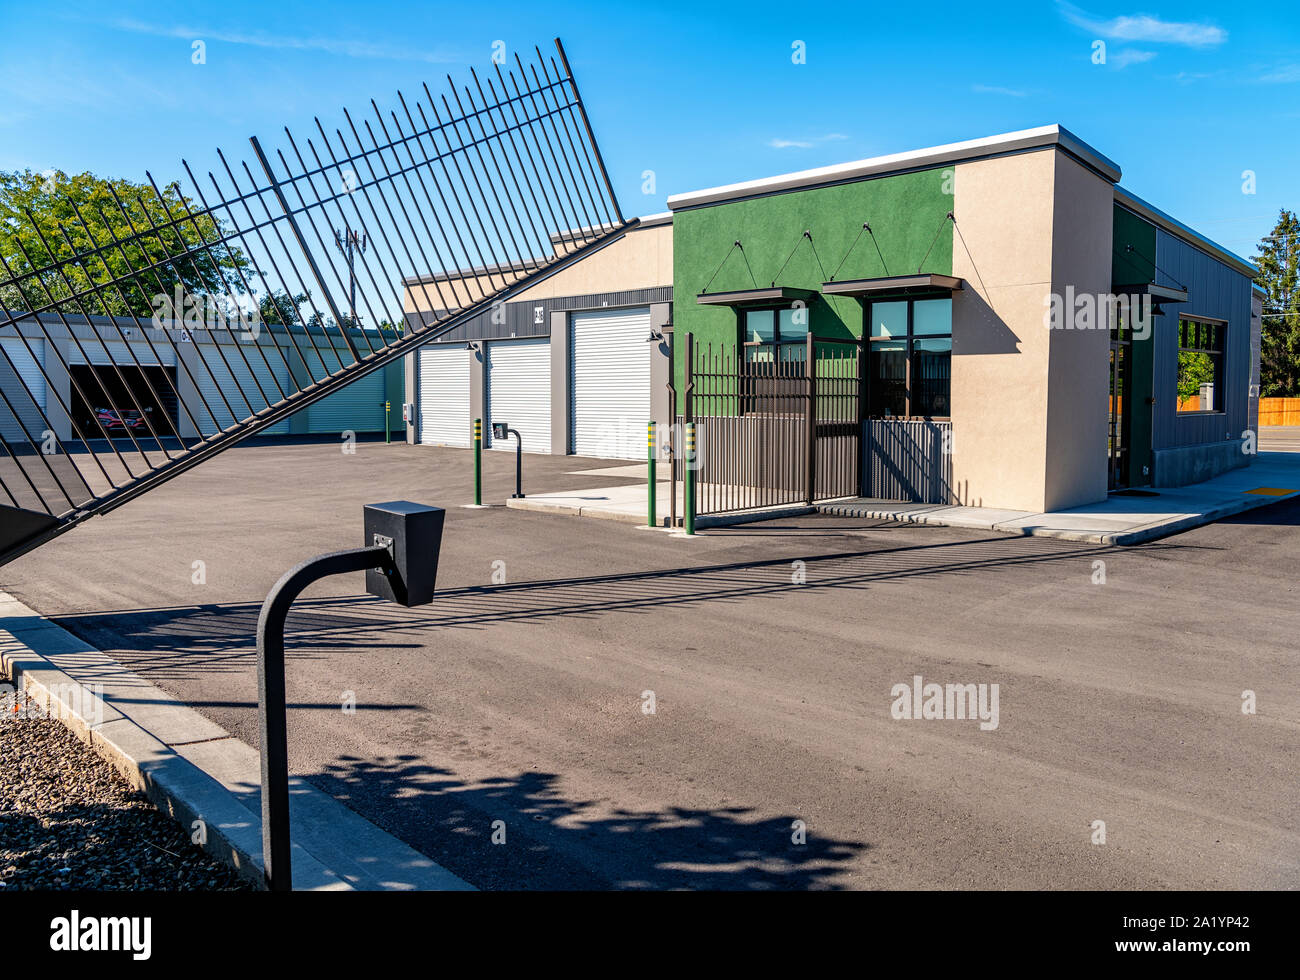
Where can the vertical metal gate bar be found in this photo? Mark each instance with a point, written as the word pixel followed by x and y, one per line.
pixel 591 138
pixel 302 242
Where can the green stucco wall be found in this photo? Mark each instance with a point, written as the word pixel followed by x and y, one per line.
pixel 905 212
pixel 1129 268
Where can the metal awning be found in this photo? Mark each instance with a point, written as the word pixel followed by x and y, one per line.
pixel 921 282
pixel 755 297
pixel 1159 294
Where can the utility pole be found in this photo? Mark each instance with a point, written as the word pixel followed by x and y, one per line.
pixel 350 242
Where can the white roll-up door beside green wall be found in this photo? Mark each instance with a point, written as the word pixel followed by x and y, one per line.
pixel 519 392
pixel 444 396
pixel 20 373
pixel 231 370
pixel 609 383
pixel 357 408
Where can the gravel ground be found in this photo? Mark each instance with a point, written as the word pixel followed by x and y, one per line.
pixel 69 821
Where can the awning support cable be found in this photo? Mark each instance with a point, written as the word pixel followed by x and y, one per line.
pixel 1142 255
pixel 808 235
pixel 966 248
pixel 866 226
pixel 947 217
pixel 734 245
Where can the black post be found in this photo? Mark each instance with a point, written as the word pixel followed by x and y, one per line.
pixel 810 358
pixel 272 724
pixel 519 465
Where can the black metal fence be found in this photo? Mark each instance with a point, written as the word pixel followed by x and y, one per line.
pixel 450 203
pixel 775 424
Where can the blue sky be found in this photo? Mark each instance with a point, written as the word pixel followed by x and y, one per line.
pixel 1191 95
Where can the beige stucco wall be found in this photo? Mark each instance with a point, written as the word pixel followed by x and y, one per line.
pixel 641 259
pixel 1078 382
pixel 1028 403
pixel 1003 208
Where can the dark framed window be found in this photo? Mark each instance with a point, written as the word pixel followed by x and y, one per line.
pixel 775 345
pixel 1201 343
pixel 779 333
pixel 909 371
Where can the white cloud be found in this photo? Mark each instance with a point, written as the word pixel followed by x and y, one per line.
pixel 804 144
pixel 344 47
pixel 998 90
pixel 1129 56
pixel 1282 75
pixel 1144 27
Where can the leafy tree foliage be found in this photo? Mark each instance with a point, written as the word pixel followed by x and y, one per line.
pixel 79 231
pixel 1279 265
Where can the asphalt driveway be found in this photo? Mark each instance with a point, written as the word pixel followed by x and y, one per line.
pixel 769 654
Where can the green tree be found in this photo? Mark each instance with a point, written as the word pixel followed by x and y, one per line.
pixel 281 309
pixel 1194 369
pixel 63 228
pixel 1278 261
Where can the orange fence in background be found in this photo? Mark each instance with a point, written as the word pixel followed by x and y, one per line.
pixel 1279 411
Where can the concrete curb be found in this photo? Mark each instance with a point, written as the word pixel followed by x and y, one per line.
pixel 923 514
pixel 572 510
pixel 196 772
pixel 701 523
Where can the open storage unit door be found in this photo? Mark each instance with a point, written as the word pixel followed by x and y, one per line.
pixel 444 395
pixel 519 392
pixel 609 387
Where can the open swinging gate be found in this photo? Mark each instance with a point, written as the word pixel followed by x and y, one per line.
pixel 465 200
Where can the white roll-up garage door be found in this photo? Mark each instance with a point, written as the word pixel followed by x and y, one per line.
pixel 444 396
pixel 228 374
pixel 519 392
pixel 28 376
pixel 609 383
pixel 357 408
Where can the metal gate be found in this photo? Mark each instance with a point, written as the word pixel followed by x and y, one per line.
pixel 774 424
pixel 465 199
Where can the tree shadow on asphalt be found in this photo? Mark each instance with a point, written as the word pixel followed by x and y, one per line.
pixel 551 842
pixel 221 636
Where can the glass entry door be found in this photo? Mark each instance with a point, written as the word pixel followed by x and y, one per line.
pixel 1119 405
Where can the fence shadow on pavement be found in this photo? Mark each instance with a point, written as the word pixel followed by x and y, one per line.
pixel 187 639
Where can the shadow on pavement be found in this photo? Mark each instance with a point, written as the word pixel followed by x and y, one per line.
pixel 556 843
pixel 221 636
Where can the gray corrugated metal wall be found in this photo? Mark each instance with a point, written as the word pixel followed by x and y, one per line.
pixel 532 318
pixel 1214 290
pixel 906 461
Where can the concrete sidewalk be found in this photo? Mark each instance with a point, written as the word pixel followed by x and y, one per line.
pixel 628 504
pixel 1118 520
pixel 194 770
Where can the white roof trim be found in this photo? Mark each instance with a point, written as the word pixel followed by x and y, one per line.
pixel 648 221
pixel 1180 230
pixel 1026 139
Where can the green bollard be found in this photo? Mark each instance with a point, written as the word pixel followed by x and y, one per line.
pixel 650 488
pixel 388 424
pixel 478 462
pixel 688 490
